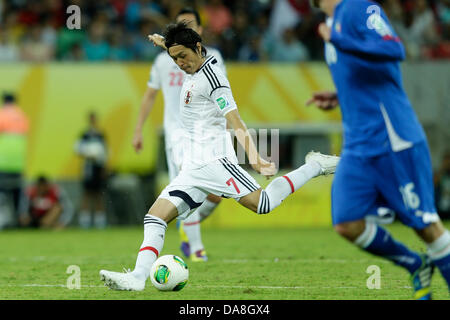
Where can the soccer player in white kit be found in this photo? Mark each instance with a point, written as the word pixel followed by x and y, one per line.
pixel 209 162
pixel 165 75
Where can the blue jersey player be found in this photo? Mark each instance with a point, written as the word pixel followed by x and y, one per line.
pixel 385 160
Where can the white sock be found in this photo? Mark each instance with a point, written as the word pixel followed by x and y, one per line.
pixel 281 187
pixel 440 247
pixel 154 233
pixel 366 237
pixel 100 219
pixel 84 219
pixel 206 209
pixel 191 226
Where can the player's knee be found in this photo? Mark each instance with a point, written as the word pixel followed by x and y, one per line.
pixel 251 201
pixel 163 209
pixel 252 205
pixel 350 230
pixel 432 232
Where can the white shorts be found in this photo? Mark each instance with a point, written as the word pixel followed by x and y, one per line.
pixel 220 177
pixel 174 157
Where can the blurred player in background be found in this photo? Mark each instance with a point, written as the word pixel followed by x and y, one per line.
pixel 166 75
pixel 385 159
pixel 92 148
pixel 14 126
pixel 209 164
pixel 44 205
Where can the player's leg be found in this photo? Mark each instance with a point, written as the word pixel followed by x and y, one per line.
pixel 173 160
pixel 264 201
pixel 414 173
pixel 376 240
pixel 84 216
pixel 155 225
pixel 208 206
pixel 100 219
pixel 52 217
pixel 179 198
pixel 191 228
pixel 437 239
pixel 355 194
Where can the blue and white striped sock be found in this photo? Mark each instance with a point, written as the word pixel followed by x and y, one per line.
pixel 439 252
pixel 281 187
pixel 379 242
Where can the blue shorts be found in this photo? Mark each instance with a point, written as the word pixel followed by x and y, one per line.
pixel 402 181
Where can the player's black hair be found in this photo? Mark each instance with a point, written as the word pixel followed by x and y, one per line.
pixel 8 98
pixel 190 10
pixel 181 34
pixel 42 180
pixel 314 3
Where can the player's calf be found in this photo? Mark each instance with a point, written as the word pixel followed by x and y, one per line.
pixel 439 252
pixel 265 200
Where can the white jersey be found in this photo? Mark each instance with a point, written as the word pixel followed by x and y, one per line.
pixel 205 99
pixel 166 75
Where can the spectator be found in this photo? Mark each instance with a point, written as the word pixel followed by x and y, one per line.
pixel 230 27
pixel 395 13
pixel 76 53
pixel 283 16
pixel 218 16
pixel 34 48
pixel 118 51
pixel 44 205
pixel 13 146
pixel 96 47
pixel 251 50
pixel 442 187
pixel 289 49
pixel 9 52
pixel 49 35
pixel 92 148
pixel 443 13
pixel 235 37
pixel 267 38
pixel 141 48
pixel 136 11
pixel 418 30
pixel 67 40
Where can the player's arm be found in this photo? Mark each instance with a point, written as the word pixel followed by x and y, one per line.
pixel 245 140
pixel 324 100
pixel 147 104
pixel 365 29
pixel 80 146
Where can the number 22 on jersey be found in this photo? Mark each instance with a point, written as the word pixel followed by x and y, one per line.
pixel 176 79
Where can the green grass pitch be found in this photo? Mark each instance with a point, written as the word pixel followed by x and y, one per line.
pixel 279 264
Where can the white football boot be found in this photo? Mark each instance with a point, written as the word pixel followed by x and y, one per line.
pixel 327 163
pixel 121 281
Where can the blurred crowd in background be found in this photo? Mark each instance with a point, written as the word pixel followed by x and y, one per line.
pixel 248 31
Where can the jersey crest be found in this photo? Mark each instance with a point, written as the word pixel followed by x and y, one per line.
pixel 188 97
